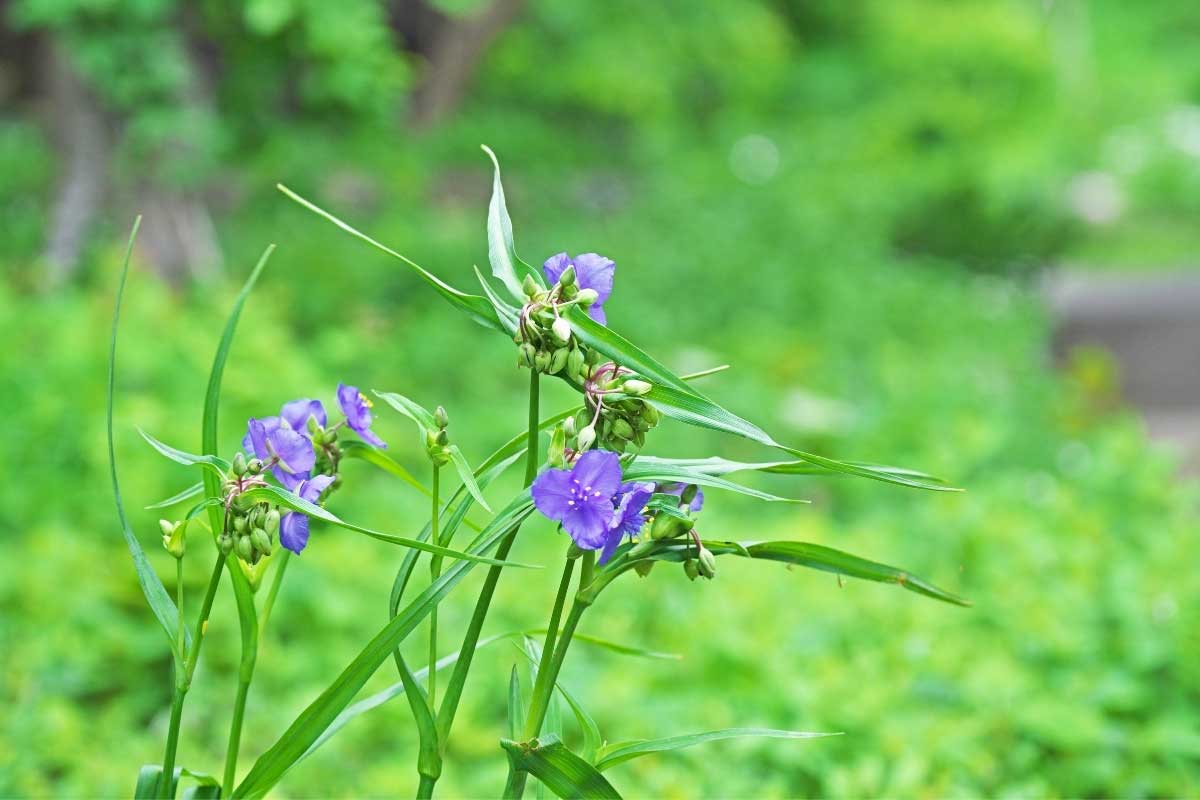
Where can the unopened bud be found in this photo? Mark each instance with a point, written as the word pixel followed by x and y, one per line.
pixel 260 540
pixel 567 278
pixel 568 426
pixel 441 417
pixel 585 438
pixel 637 387
pixel 587 297
pixel 442 438
pixel 691 569
pixel 530 287
pixel 225 543
pixel 541 361
pixel 271 522
pixel 558 361
pixel 575 363
pixel 650 414
pixel 526 355
pixel 254 466
pixel 558 442
pixel 239 464
pixel 707 563
pixel 245 548
pixel 313 426
pixel 688 494
pixel 621 429
pixel 239 524
pixel 562 329
pixel 669 526
pixel 173 537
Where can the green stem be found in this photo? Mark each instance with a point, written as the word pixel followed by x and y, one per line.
pixel 435 570
pixel 454 688
pixel 183 677
pixel 235 733
pixel 269 603
pixel 425 789
pixel 564 586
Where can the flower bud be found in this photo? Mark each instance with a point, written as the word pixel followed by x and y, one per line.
pixel 239 525
pixel 568 426
pixel 441 417
pixel 562 329
pixel 567 278
pixel 530 287
pixel 526 355
pixel 260 540
pixel 244 548
pixel 707 563
pixel 555 456
pixel 650 414
pixel 173 537
pixel 621 429
pixel 541 361
pixel 587 297
pixel 271 522
pixel 669 526
pixel 688 494
pixel 558 361
pixel 575 364
pixel 637 387
pixel 442 438
pixel 691 569
pixel 312 425
pixel 225 543
pixel 254 466
pixel 585 438
pixel 239 464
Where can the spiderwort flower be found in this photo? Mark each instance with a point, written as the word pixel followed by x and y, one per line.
pixel 273 437
pixel 293 527
pixel 592 271
pixel 357 408
pixel 629 517
pixel 581 498
pixel 298 412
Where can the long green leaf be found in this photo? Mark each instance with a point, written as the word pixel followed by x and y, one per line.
pixel 218 466
pixel 592 738
pixel 620 752
pixel 475 306
pixel 309 726
pixel 380 459
pixel 672 473
pixel 195 490
pixel 501 252
pixel 156 594
pixel 516 706
pixel 723 466
pixel 563 772
pixel 282 497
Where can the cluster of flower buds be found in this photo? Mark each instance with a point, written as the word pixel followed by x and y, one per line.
pixel 437 445
pixel 174 537
pixel 251 528
pixel 676 521
pixel 613 416
pixel 544 337
pixel 325 446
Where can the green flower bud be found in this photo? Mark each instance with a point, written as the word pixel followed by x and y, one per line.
pixel 562 329
pixel 669 526
pixel 650 414
pixel 707 563
pixel 239 464
pixel 568 426
pixel 441 417
pixel 245 548
pixel 642 568
pixel 567 278
pixel 587 297
pixel 530 287
pixel 254 466
pixel 260 540
pixel 173 537
pixel 225 543
pixel 558 442
pixel 639 439
pixel 240 524
pixel 271 522
pixel 313 426
pixel 525 355
pixel 575 363
pixel 691 569
pixel 621 429
pixel 558 361
pixel 541 361
pixel 637 387
pixel 585 438
pixel 442 438
pixel 569 292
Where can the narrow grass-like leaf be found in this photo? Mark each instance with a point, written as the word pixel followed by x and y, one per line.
pixel 146 787
pixel 202 506
pixel 723 466
pixel 195 490
pixel 282 497
pixel 592 739
pixel 516 706
pixel 376 457
pixel 672 473
pixel 507 315
pixel 315 719
pixel 467 477
pixel 156 594
pixel 478 308
pixel 218 466
pixel 620 752
pixel 501 252
pixel 563 772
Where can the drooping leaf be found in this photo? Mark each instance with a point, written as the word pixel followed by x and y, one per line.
pixel 156 594
pixel 563 772
pixel 195 490
pixel 282 497
pixel 672 473
pixel 620 752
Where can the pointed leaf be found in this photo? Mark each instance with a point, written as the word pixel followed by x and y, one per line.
pixel 516 707
pixel 468 478
pixel 563 772
pixel 352 448
pixel 620 752
pixel 672 473
pixel 501 252
pixel 195 490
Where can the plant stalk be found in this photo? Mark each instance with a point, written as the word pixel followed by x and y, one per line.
pixel 435 570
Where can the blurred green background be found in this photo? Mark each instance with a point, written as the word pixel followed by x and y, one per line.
pixel 849 202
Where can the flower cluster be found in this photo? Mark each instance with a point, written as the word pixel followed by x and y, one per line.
pixel 547 343
pixel 614 416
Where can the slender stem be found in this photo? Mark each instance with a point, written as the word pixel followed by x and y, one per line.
pixel 564 586
pixel 435 570
pixel 167 778
pixel 425 789
pixel 269 602
pixel 202 620
pixel 179 631
pixel 445 717
pixel 235 734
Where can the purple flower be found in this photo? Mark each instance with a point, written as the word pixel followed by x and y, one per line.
pixel 357 409
pixel 293 528
pixel 581 498
pixel 677 489
pixel 592 271
pixel 297 412
pixel 629 517
pixel 272 437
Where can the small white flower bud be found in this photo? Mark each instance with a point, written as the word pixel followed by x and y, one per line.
pixel 585 438
pixel 587 297
pixel 637 387
pixel 562 329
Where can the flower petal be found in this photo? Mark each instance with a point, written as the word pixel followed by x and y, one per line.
pixel 594 271
pixel 312 488
pixel 551 493
pixel 294 449
pixel 297 412
pixel 598 472
pixel 293 531
pixel 554 266
pixel 588 523
pixel 597 313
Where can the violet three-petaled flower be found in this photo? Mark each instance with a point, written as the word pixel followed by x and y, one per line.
pixel 272 438
pixel 293 528
pixel 357 408
pixel 581 498
pixel 629 517
pixel 592 271
pixel 297 413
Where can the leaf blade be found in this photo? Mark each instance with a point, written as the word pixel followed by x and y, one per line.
pixel 621 752
pixel 563 772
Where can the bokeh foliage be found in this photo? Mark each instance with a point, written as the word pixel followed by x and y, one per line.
pixel 859 260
